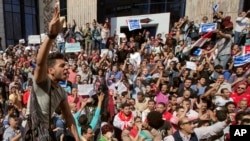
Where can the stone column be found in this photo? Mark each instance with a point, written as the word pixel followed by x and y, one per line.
pixel 2 32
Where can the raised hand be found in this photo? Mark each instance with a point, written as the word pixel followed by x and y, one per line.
pixel 55 24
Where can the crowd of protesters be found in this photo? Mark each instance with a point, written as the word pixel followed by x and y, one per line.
pixel 163 101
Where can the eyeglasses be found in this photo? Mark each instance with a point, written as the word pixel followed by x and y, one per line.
pixel 188 122
pixel 242 88
pixel 138 121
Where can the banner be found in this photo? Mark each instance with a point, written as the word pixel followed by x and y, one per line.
pixel 134 24
pixel 72 47
pixel 207 27
pixel 241 60
pixel 34 39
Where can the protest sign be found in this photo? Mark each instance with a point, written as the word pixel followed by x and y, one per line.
pixel 118 87
pixel 34 39
pixel 134 24
pixel 207 27
pixel 191 65
pixel 85 89
pixel 72 47
pixel 135 59
pixel 43 36
pixel 197 52
pixel 21 41
pixel 241 60
pixel 215 7
pixel 103 52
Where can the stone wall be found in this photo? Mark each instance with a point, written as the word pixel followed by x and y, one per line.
pixel 196 9
pixel 46 8
pixel 82 11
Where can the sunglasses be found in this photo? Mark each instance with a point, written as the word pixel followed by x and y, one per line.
pixel 242 88
pixel 188 122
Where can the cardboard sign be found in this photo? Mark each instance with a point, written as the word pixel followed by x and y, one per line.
pixel 34 39
pixel 72 47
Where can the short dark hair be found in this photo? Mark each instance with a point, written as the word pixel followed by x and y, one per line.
pixel 151 100
pixel 84 129
pixel 161 103
pixel 155 119
pixel 223 89
pixel 230 103
pixel 83 120
pixel 52 57
pixel 125 105
pixel 107 128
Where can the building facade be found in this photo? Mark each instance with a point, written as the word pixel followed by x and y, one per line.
pixel 20 18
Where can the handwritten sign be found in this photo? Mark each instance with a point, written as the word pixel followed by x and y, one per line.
pixel 85 89
pixel 34 39
pixel 134 24
pixel 72 47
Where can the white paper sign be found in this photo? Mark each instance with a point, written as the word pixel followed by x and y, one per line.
pixel 43 36
pixel 34 39
pixel 120 87
pixel 191 65
pixel 103 52
pixel 85 89
pixel 135 59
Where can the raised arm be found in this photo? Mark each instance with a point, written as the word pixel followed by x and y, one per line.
pixel 42 56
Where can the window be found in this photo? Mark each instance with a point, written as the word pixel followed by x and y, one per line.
pixel 21 19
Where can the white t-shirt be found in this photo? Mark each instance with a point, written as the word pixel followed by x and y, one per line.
pixel 241 23
pixel 219 101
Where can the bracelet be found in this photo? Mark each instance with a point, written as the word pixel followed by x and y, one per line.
pixel 51 36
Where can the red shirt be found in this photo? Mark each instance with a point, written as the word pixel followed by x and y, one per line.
pixel 237 98
pixel 26 97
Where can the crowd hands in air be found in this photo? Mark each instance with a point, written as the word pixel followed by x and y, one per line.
pixel 162 98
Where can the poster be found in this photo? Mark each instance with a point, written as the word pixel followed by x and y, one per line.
pixel 34 39
pixel 134 24
pixel 72 47
pixel 85 89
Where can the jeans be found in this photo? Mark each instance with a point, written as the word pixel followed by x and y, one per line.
pixel 61 47
pixel 222 60
pixel 236 37
pixel 96 44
